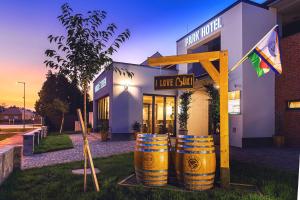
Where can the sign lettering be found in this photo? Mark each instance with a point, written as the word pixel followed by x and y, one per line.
pixel 203 31
pixel 101 84
pixel 182 81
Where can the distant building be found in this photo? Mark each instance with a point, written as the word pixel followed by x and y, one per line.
pixel 15 114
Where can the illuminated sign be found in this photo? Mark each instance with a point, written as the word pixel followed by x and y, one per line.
pixel 101 84
pixel 181 81
pixel 234 102
pixel 203 31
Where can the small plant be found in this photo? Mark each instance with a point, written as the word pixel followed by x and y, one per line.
pixel 103 126
pixel 136 126
pixel 185 100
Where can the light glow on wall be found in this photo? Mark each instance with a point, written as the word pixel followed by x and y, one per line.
pixel 126 83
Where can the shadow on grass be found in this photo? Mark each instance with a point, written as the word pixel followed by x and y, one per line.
pixel 54 142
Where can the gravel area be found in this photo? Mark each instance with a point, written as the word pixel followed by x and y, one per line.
pixel 98 149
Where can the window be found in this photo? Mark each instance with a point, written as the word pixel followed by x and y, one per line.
pixel 103 108
pixel 234 102
pixel 294 105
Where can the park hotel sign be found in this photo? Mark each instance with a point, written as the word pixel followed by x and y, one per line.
pixel 100 84
pixel 181 81
pixel 203 31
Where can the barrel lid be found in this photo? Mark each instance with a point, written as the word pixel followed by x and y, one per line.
pixel 149 135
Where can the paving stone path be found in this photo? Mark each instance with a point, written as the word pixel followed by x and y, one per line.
pixel 278 158
pixel 98 149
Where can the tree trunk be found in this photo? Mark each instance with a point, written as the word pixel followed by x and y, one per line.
pixel 62 123
pixel 84 106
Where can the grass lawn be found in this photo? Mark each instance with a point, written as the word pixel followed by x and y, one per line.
pixel 54 142
pixel 57 182
pixel 4 136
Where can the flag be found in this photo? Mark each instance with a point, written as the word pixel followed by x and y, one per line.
pixel 266 55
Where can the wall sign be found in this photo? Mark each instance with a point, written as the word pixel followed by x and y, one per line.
pixel 234 102
pixel 203 31
pixel 101 84
pixel 181 81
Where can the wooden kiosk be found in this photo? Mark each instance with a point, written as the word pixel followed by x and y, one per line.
pixel 220 77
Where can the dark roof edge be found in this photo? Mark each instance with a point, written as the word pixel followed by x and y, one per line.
pixel 225 10
pixel 143 66
pixel 268 2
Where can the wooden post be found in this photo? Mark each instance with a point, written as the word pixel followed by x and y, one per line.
pixel 224 121
pixel 221 78
pixel 84 169
pixel 87 155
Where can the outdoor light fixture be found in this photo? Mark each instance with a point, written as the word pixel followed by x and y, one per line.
pixel 216 86
pixel 126 83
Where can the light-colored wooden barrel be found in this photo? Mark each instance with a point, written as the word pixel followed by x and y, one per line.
pixel 197 161
pixel 171 169
pixel 151 159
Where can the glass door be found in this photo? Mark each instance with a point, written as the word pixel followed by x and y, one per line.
pixel 170 115
pixel 159 114
pixel 147 114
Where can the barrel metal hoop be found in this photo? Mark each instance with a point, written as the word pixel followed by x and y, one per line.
pixel 192 185
pixel 193 141
pixel 142 176
pixel 194 136
pixel 208 174
pixel 145 135
pixel 146 170
pixel 201 180
pixel 195 152
pixel 152 150
pixel 190 146
pixel 152 145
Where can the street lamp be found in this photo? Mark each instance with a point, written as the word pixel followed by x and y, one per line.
pixel 24 103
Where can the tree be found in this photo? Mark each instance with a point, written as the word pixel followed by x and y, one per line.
pixel 2 107
pixel 61 107
pixel 86 49
pixel 185 100
pixel 214 108
pixel 57 86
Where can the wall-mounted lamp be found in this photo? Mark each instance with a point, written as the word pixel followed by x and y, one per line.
pixel 216 86
pixel 126 83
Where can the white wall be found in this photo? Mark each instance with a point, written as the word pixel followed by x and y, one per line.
pixel 242 26
pixel 127 104
pixel 259 93
pixel 198 120
pixel 231 40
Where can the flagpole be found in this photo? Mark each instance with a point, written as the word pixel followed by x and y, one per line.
pixel 246 55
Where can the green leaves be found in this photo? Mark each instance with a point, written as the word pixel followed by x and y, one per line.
pixel 86 47
pixel 185 100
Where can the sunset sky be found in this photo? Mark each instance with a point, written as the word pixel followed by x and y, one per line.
pixel 155 25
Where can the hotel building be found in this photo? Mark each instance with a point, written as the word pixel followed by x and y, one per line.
pixel 258 107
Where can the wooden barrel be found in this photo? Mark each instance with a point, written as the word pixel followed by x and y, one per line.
pixel 171 168
pixel 151 159
pixel 179 160
pixel 197 154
